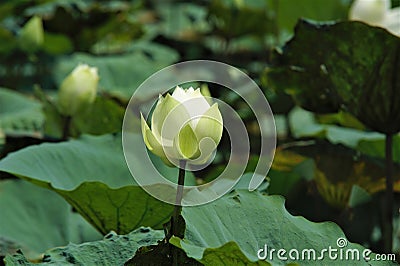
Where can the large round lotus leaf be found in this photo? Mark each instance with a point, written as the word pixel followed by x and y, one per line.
pixel 91 174
pixel 34 219
pixel 245 222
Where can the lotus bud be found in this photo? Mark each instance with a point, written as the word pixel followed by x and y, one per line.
pixel 78 90
pixel 184 126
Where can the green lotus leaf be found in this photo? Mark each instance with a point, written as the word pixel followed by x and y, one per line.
pixel 35 219
pixel 112 250
pixel 244 222
pixel 348 65
pixel 92 175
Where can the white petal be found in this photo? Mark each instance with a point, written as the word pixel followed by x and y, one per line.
pixel 210 125
pixel 193 101
pixel 168 117
pixel 186 143
pixel 150 140
pixel 179 94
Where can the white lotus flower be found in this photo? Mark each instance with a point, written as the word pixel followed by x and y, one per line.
pixel 78 90
pixel 376 13
pixel 183 127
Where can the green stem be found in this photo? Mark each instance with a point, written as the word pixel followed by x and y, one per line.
pixel 67 126
pixel 178 209
pixel 179 195
pixel 389 204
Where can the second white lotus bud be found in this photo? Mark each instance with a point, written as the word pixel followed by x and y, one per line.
pixel 78 90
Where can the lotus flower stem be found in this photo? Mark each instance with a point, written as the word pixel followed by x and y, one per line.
pixel 67 126
pixel 179 195
pixel 388 210
pixel 175 224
